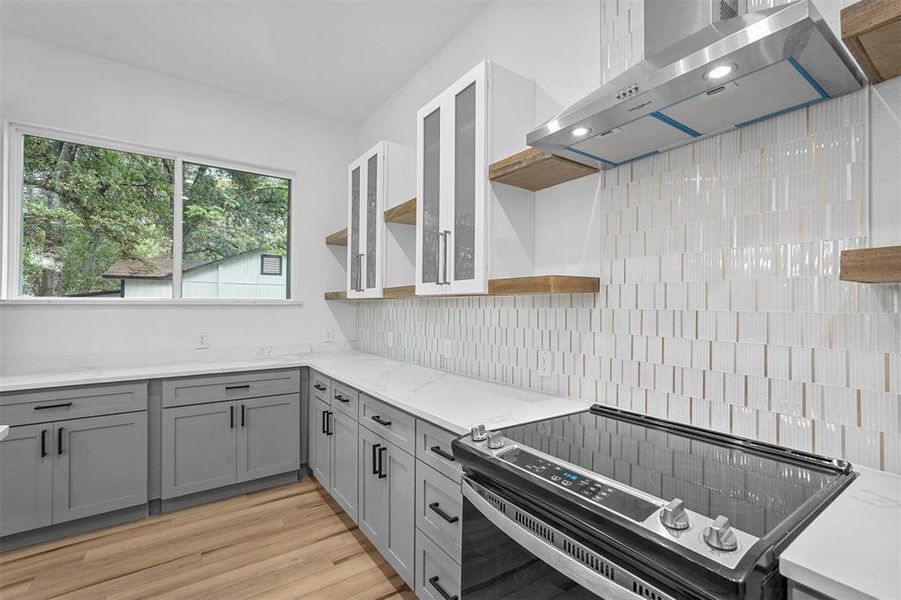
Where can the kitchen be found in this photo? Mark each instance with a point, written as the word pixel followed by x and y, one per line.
pixel 548 299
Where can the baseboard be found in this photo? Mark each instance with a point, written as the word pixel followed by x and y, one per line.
pixel 230 491
pixel 70 528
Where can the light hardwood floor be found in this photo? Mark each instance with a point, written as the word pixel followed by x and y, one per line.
pixel 287 542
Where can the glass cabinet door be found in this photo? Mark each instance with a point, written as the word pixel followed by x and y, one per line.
pixel 353 242
pixel 464 232
pixel 372 209
pixel 432 267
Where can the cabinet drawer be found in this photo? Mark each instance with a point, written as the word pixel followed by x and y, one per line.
pixel 439 508
pixel 345 399
pixel 433 447
pixel 320 387
pixel 436 572
pixel 392 424
pixel 23 408
pixel 215 388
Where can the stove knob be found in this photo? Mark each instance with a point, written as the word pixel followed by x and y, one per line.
pixel 719 535
pixel 495 440
pixel 673 515
pixel 477 434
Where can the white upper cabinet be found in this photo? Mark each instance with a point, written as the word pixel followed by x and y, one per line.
pixel 483 117
pixel 384 173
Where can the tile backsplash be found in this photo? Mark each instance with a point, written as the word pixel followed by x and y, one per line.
pixel 720 304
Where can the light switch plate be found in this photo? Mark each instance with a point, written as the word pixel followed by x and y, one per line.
pixel 202 340
pixel 545 363
pixel 328 334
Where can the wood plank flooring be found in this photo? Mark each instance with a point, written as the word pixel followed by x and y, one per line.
pixel 286 542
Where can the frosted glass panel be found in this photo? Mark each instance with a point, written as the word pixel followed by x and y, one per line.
pixel 353 261
pixel 464 183
pixel 372 173
pixel 431 138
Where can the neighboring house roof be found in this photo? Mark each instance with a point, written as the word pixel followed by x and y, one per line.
pixel 161 268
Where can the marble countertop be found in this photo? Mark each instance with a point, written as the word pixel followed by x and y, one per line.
pixel 454 402
pixel 852 550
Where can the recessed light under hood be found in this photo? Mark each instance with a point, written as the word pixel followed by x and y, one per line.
pixel 702 76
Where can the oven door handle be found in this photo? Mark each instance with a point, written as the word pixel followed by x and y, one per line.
pixel 550 554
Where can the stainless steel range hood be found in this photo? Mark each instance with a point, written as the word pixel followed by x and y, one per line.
pixel 775 61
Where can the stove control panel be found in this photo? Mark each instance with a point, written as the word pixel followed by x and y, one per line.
pixel 617 500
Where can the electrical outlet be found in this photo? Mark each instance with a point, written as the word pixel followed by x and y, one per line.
pixel 545 363
pixel 447 348
pixel 389 339
pixel 202 340
pixel 328 334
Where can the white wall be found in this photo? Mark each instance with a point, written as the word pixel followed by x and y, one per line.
pixel 54 87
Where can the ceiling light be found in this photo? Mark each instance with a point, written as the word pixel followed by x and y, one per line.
pixel 580 131
pixel 719 71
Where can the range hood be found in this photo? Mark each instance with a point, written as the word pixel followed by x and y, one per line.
pixel 705 71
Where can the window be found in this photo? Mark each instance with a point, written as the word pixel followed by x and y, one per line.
pixel 89 218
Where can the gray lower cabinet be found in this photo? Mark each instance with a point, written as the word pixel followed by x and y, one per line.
pixel 199 448
pixel 345 455
pixel 386 504
pixel 268 436
pixel 100 465
pixel 26 479
pixel 437 575
pixel 320 442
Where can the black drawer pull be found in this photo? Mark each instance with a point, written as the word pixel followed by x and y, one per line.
pixel 375 469
pixel 242 415
pixel 434 583
pixel 435 507
pixel 231 417
pixel 43 443
pixel 341 398
pixel 60 405
pixel 319 387
pixel 59 440
pixel 382 473
pixel 379 420
pixel 445 455
pixel 230 388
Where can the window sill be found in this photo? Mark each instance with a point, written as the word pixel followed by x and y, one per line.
pixel 182 302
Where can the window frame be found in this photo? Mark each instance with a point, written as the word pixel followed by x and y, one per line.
pixel 11 221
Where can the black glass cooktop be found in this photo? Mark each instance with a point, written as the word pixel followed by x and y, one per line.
pixel 754 490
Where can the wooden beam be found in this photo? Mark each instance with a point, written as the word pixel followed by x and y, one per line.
pixel 544 284
pixel 404 213
pixel 339 238
pixel 872 265
pixel 872 31
pixel 342 295
pixel 401 291
pixel 535 170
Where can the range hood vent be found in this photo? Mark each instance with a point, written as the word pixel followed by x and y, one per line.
pixel 706 71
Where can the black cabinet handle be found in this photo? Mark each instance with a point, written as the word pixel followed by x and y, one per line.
pixel 43 443
pixel 242 415
pixel 59 440
pixel 375 448
pixel 60 405
pixel 319 387
pixel 322 428
pixel 231 417
pixel 341 398
pixel 328 423
pixel 435 507
pixel 382 473
pixel 379 420
pixel 230 388
pixel 445 455
pixel 434 583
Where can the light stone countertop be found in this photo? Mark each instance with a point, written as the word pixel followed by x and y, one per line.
pixel 4 429
pixel 454 402
pixel 852 550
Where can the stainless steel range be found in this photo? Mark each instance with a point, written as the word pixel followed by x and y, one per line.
pixel 611 504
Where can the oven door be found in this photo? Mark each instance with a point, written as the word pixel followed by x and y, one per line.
pixel 509 553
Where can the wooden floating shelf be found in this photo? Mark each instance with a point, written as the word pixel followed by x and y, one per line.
pixel 535 170
pixel 872 265
pixel 404 213
pixel 872 31
pixel 514 286
pixel 339 238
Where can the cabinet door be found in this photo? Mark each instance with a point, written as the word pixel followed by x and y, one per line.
pixel 398 471
pixel 466 244
pixel 100 465
pixel 366 224
pixel 26 478
pixel 321 443
pixel 355 230
pixel 345 451
pixel 268 436
pixel 372 507
pixel 431 165
pixel 199 448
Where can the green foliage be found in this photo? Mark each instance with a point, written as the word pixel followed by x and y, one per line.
pixel 84 208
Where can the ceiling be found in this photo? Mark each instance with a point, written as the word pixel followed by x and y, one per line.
pixel 338 58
